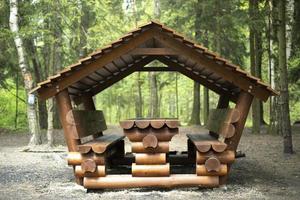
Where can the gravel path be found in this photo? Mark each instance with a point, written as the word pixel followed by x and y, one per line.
pixel 265 173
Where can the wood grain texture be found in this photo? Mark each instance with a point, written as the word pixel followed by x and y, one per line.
pixel 127 181
pixel 76 158
pixel 138 147
pixel 99 172
pixel 226 157
pixel 202 171
pixel 150 158
pixel 100 145
pixel 89 122
pixel 150 170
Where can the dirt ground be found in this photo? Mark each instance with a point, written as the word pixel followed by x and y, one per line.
pixel 265 172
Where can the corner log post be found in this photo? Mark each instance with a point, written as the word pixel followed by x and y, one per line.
pixel 64 106
pixel 243 105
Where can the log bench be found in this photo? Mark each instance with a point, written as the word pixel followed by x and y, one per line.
pixel 210 149
pixel 94 149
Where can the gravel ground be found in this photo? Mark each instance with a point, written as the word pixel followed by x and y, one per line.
pixel 265 172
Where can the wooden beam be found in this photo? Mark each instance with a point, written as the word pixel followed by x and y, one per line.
pixel 202 60
pixel 243 105
pixel 96 64
pixel 64 107
pixel 195 77
pixel 156 69
pixel 153 51
pixel 122 75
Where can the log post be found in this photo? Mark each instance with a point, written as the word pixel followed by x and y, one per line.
pixel 88 102
pixel 223 101
pixel 243 105
pixel 64 106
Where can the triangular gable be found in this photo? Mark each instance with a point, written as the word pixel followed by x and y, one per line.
pixel 152 41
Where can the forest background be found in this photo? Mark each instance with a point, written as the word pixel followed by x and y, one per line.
pixel 55 34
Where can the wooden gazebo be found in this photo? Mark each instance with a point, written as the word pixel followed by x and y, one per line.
pixel 92 154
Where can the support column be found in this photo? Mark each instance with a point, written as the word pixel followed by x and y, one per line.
pixel 88 102
pixel 64 106
pixel 243 106
pixel 223 101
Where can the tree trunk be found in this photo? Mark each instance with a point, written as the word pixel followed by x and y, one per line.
pixel 195 118
pixel 36 65
pixel 283 101
pixel 154 110
pixel 255 60
pixel 33 122
pixel 50 122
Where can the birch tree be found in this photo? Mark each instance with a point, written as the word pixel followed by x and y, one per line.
pixel 33 123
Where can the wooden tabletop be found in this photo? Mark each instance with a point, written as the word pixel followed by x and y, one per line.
pixel 156 123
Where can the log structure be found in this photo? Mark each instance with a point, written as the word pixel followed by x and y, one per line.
pixel 92 153
pixel 150 142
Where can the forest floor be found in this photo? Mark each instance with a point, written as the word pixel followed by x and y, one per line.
pixel 265 172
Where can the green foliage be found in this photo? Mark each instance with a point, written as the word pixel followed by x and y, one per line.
pixel 8 107
pixel 59 25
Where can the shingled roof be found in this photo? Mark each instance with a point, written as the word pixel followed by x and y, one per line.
pixel 153 41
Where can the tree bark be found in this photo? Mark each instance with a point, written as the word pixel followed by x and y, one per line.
pixel 33 122
pixel 283 101
pixel 195 118
pixel 154 110
pixel 255 60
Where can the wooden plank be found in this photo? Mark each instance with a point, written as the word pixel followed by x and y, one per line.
pixel 153 51
pixel 199 79
pixel 88 122
pixel 238 80
pixel 150 170
pixel 125 73
pixel 101 144
pixel 156 69
pixel 97 64
pixel 220 121
pixel 164 134
pixel 127 181
pixel 206 142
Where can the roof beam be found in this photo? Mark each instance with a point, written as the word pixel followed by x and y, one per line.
pixel 153 51
pixel 156 69
pixel 176 66
pixel 135 67
pixel 87 69
pixel 202 60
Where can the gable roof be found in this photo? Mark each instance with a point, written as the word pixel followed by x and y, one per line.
pixel 149 42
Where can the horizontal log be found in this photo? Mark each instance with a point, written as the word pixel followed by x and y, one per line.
pixel 100 172
pixel 150 141
pixel 76 158
pixel 127 181
pixel 88 165
pixel 202 171
pixel 138 147
pixel 149 158
pixel 226 157
pixel 153 51
pixel 150 170
pixel 163 134
pixel 212 164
